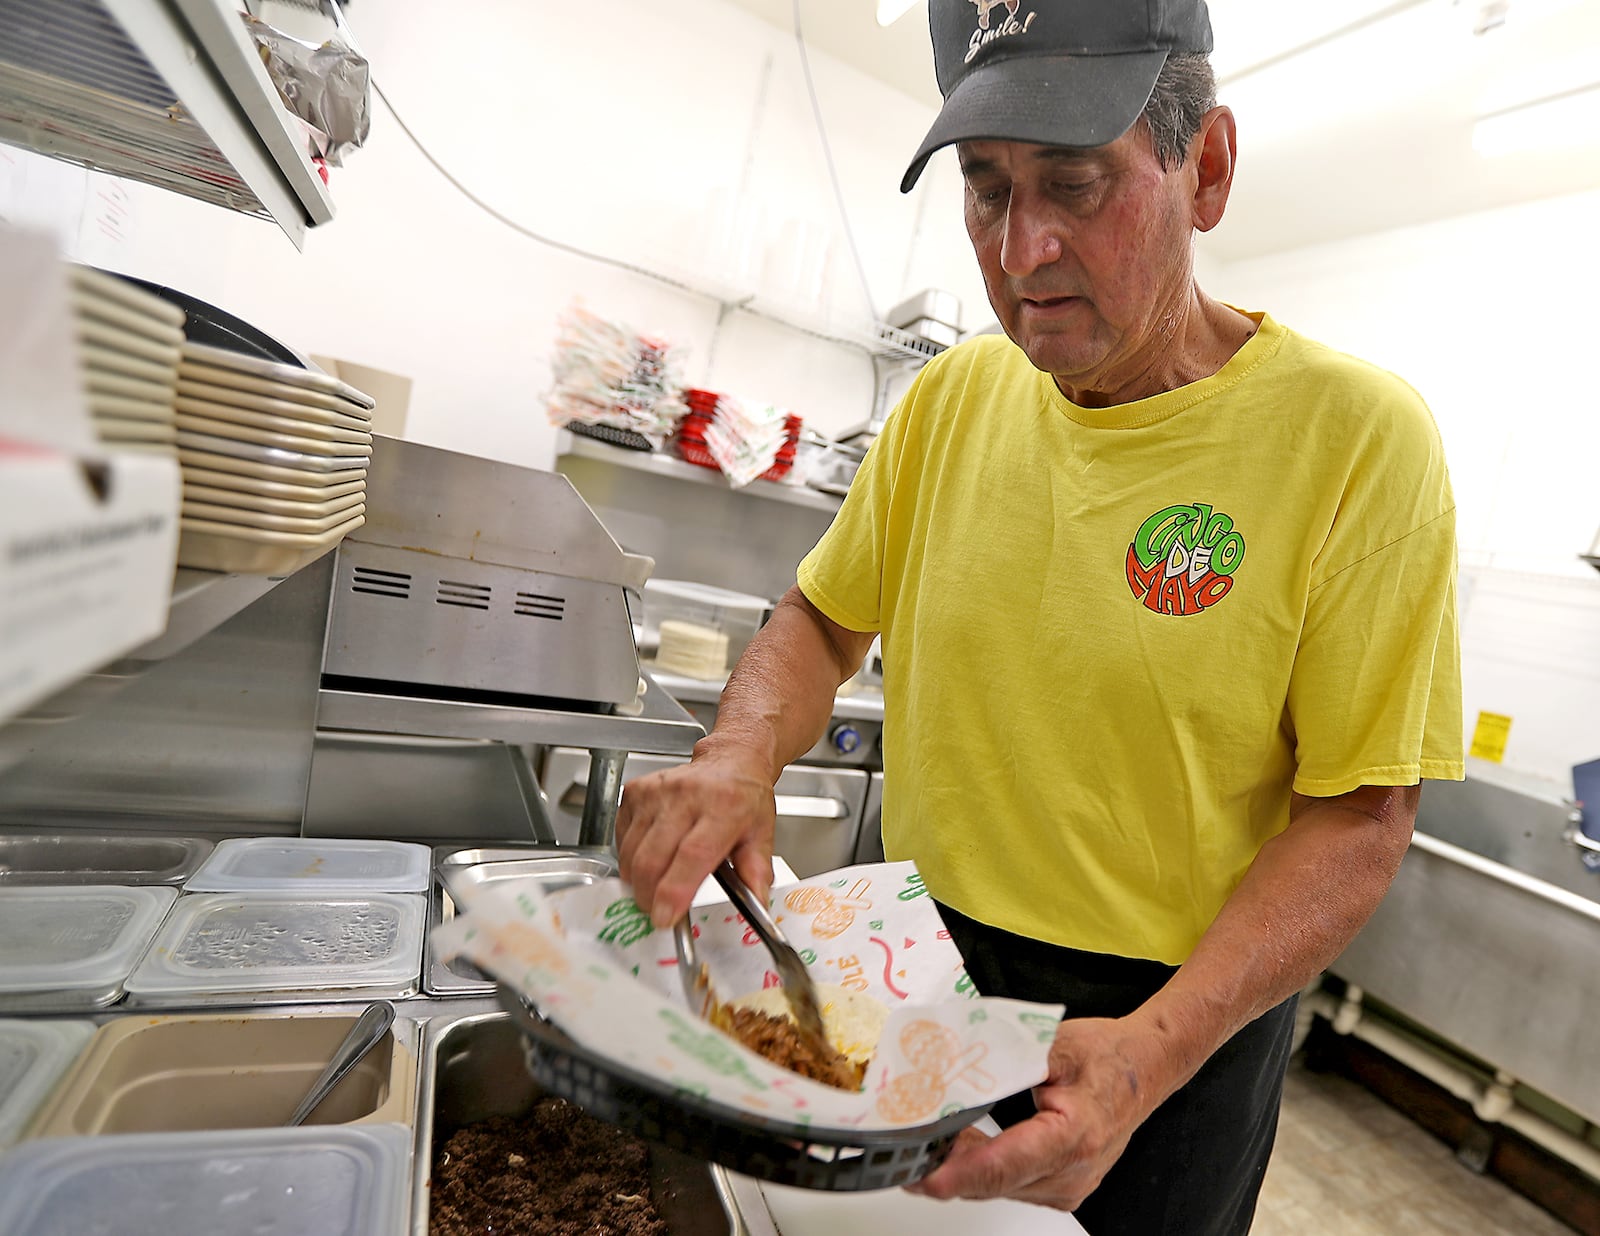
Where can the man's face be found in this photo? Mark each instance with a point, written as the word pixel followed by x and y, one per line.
pixel 1086 253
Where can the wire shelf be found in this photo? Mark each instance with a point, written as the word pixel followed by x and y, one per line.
pixel 877 339
pixel 73 85
pixel 897 344
pixel 159 147
pixel 130 87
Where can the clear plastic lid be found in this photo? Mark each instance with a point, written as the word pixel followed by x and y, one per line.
pixel 90 858
pixel 299 864
pixel 84 938
pixel 323 1180
pixel 707 595
pixel 233 942
pixel 33 1056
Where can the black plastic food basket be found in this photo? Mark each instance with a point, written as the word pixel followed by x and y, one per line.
pixel 833 1160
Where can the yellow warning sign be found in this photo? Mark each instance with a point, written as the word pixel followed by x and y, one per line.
pixel 1489 737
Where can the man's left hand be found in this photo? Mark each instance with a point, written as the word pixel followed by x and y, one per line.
pixel 1093 1099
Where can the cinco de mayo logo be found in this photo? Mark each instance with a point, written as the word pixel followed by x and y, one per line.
pixel 1183 558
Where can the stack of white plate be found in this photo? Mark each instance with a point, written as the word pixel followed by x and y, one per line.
pixel 274 461
pixel 128 342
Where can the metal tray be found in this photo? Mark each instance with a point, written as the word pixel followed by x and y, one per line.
pixel 455 868
pixel 90 858
pixel 472 1069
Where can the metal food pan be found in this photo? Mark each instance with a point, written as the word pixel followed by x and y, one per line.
pixel 91 858
pixel 464 870
pixel 472 1069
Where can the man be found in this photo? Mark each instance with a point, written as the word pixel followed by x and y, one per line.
pixel 1166 595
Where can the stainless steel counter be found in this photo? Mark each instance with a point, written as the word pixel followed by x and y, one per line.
pixel 1487 938
pixel 203 731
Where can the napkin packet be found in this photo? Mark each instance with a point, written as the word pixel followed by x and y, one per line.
pixel 589 960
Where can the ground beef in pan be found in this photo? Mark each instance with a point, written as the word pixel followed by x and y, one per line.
pixel 555 1171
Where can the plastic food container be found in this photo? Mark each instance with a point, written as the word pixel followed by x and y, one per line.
pixel 294 375
pixel 33 1057
pixel 737 615
pixel 321 1181
pixel 88 858
pixel 211 546
pixel 184 1073
pixel 300 864
pixel 72 948
pixel 205 462
pixel 215 946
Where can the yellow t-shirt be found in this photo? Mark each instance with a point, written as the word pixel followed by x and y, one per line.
pixel 1113 639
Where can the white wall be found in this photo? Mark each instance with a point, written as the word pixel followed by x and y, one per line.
pixel 664 135
pixel 657 135
pixel 1491 317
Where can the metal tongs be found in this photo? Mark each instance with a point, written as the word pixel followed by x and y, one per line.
pixel 797 986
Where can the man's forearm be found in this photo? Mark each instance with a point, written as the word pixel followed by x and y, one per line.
pixel 780 695
pixel 1304 898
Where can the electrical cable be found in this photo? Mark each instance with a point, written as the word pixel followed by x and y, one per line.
pixel 632 268
pixel 511 223
pixel 827 155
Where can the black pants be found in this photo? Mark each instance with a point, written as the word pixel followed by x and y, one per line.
pixel 1195 1166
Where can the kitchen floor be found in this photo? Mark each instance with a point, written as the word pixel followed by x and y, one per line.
pixel 1348 1164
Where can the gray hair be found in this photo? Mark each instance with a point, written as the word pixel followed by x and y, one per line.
pixel 1184 92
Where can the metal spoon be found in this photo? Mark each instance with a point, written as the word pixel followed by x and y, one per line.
pixel 367 1033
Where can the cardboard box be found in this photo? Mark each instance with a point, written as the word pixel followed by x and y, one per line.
pixel 391 391
pixel 88 547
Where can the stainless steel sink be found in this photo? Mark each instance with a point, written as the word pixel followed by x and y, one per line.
pixel 454 868
pixel 473 1069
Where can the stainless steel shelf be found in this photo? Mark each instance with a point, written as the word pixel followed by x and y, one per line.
pixel 877 339
pixel 167 92
pixel 201 602
pixel 569 443
pixel 657 726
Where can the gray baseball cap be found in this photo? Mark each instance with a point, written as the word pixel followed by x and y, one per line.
pixel 1052 72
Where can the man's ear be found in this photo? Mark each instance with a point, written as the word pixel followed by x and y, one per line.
pixel 1214 152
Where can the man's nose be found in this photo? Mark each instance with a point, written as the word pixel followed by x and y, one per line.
pixel 1032 239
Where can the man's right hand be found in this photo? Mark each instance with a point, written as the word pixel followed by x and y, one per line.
pixel 675 826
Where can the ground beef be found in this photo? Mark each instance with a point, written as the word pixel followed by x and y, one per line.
pixel 555 1171
pixel 777 1039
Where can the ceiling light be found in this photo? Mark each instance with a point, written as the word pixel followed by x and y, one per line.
pixel 1563 122
pixel 891 11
